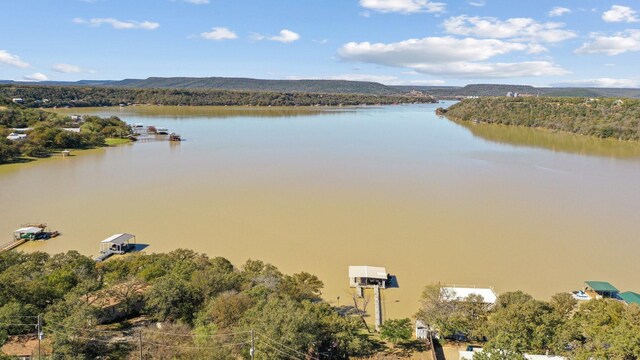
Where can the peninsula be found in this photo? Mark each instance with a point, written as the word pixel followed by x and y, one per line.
pixel 599 117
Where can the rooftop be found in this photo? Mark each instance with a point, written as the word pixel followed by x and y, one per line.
pixel 601 286
pixel 29 230
pixel 371 272
pixel 118 239
pixel 630 297
pixel 461 293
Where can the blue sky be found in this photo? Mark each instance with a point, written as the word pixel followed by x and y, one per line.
pixel 420 42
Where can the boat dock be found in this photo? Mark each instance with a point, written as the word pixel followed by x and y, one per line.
pixel 28 232
pixel 116 244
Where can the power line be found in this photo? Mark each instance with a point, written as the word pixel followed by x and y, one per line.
pixel 194 347
pixel 196 335
pixel 287 347
pixel 281 351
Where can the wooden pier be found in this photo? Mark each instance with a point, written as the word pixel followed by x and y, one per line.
pixel 12 244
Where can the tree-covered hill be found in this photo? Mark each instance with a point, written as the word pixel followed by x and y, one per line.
pixel 602 117
pixel 60 96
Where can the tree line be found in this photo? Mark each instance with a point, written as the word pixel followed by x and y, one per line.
pixel 203 303
pixel 600 117
pixel 83 96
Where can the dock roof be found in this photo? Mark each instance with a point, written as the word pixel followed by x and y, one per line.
pixel 601 286
pixel 29 230
pixel 371 272
pixel 118 239
pixel 630 297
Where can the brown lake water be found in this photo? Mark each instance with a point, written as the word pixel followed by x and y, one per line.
pixel 317 191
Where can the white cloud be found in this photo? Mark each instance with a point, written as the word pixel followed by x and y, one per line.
pixel 12 60
pixel 403 6
pixel 197 2
pixel 383 79
pixel 119 24
pixel 477 3
pixel 69 69
pixel 616 44
pixel 559 11
pixel 36 77
pixel 620 13
pixel 219 33
pixel 493 70
pixel 449 56
pixel 286 36
pixel 602 82
pixel 515 28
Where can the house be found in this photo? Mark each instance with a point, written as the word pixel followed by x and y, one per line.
pixel 16 137
pixel 453 293
pixel 20 347
pixel 18 100
pixel 600 290
pixel 630 297
pixel 119 302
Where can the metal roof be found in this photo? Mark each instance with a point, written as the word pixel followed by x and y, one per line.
pixel 601 286
pixel 372 272
pixel 630 297
pixel 29 230
pixel 461 293
pixel 118 239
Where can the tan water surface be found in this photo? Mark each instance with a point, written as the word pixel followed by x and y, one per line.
pixel 429 199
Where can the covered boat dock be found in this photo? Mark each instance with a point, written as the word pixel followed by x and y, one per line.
pixel 116 244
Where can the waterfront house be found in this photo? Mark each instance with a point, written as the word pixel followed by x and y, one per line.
pixel 18 100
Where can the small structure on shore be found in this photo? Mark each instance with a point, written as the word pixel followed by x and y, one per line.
pixel 361 277
pixel 630 297
pixel 116 244
pixel 65 153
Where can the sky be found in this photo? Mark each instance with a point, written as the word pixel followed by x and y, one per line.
pixel 395 42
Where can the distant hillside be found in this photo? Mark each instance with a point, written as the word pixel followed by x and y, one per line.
pixel 80 96
pixel 242 84
pixel 339 87
pixel 604 117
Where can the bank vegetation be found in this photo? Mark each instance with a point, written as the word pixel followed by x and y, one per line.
pixel 599 117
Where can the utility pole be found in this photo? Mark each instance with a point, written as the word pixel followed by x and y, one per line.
pixel 253 347
pixel 39 327
pixel 140 342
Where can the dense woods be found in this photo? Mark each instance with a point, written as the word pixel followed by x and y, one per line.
pixel 208 308
pixel 600 117
pixel 46 133
pixel 72 96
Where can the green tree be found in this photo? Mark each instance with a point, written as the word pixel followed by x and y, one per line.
pixel 396 330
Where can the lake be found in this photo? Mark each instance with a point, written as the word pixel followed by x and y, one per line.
pixel 319 190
